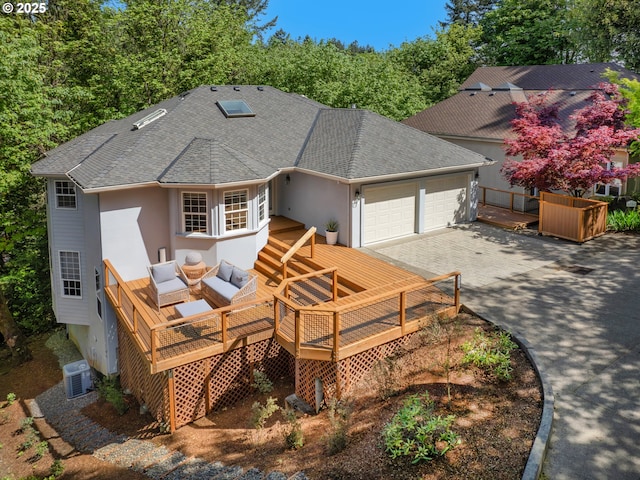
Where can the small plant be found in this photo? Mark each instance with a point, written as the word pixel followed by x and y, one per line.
pixel 42 449
pixel 261 382
pixel 25 424
pixel 56 469
pixel 623 221
pixel 293 437
pixel 331 226
pixel 109 389
pixel 491 353
pixel 11 398
pixel 339 414
pixel 386 377
pixel 416 432
pixel 261 413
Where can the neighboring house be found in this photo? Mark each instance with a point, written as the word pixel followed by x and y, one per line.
pixel 205 170
pixel 479 116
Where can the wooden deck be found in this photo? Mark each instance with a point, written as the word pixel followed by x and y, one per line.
pixel 505 218
pixel 167 340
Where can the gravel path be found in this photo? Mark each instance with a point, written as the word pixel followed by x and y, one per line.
pixel 156 462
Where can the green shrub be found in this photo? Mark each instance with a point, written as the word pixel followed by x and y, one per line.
pixel 623 221
pixel 109 389
pixel 261 382
pixel 339 414
pixel 261 413
pixel 42 449
pixel 293 437
pixel 11 397
pixel 57 468
pixel 491 353
pixel 416 432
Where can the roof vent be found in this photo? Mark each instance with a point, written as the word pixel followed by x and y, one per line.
pixel 214 88
pixel 152 117
pixel 237 89
pixel 261 89
pixel 573 94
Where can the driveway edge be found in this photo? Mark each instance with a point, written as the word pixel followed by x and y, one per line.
pixel 533 468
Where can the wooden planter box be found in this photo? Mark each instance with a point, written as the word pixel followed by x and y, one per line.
pixel 572 218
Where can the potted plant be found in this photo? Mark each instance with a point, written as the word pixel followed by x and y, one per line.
pixel 331 232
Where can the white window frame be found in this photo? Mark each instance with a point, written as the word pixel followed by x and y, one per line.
pixel 236 213
pixel 604 189
pixel 70 274
pixel 263 199
pixel 64 191
pixel 189 215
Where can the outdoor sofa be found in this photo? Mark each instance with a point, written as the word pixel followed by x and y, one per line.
pixel 225 284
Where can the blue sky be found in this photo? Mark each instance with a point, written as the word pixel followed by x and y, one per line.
pixel 374 23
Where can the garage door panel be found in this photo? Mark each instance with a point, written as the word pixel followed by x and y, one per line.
pixel 445 202
pixel 389 212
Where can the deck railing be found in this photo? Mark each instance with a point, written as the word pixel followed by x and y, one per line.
pixel 344 327
pixel 514 201
pixel 309 235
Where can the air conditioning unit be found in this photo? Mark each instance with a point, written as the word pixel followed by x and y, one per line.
pixel 77 378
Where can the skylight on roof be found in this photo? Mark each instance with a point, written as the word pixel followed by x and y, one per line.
pixel 235 108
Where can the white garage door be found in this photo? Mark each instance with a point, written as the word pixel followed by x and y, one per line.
pixel 445 202
pixel 389 211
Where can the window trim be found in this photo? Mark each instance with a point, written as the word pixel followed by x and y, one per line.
pixel 63 278
pixel 204 215
pixel 65 184
pixel 226 213
pixel 263 199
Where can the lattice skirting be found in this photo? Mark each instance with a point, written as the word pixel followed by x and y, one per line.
pixel 191 391
pixel 339 378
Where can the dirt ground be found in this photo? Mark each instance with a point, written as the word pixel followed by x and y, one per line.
pixel 496 421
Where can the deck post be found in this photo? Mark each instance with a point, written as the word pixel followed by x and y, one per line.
pixel 172 401
pixel 313 245
pixel 223 326
pixel 135 320
pixel 484 196
pixel 511 201
pixel 299 333
pixel 457 292
pixel 284 270
pixel 336 335
pixel 334 285
pixel 154 347
pixel 276 317
pixel 403 313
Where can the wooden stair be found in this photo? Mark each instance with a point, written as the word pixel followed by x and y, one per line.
pixel 268 264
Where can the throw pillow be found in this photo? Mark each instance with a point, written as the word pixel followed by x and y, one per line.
pixel 239 277
pixel 164 272
pixel 224 271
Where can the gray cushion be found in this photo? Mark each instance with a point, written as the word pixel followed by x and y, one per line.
pixel 225 270
pixel 225 289
pixel 171 285
pixel 192 308
pixel 164 272
pixel 239 277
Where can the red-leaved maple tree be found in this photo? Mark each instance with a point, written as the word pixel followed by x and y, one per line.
pixel 552 159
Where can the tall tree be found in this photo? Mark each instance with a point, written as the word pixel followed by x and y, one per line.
pixel 552 159
pixel 440 64
pixel 528 32
pixel 466 12
pixel 610 30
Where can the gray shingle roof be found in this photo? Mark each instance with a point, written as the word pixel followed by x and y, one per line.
pixel 194 143
pixel 473 113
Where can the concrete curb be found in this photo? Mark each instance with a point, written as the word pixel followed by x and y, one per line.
pixel 533 468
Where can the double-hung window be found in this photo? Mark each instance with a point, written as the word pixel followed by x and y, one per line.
pixel 194 212
pixel 262 203
pixel 236 210
pixel 70 274
pixel 65 194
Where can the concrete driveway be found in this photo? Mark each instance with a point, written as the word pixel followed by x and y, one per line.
pixel 578 306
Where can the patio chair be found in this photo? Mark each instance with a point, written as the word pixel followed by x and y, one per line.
pixel 168 283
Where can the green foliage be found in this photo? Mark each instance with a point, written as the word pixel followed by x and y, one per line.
pixel 623 221
pixel 416 432
pixel 293 436
pixel 491 353
pixel 42 448
pixel 109 389
pixel 261 413
pixel 261 382
pixel 11 397
pixel 56 469
pixel 339 415
pixel 386 377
